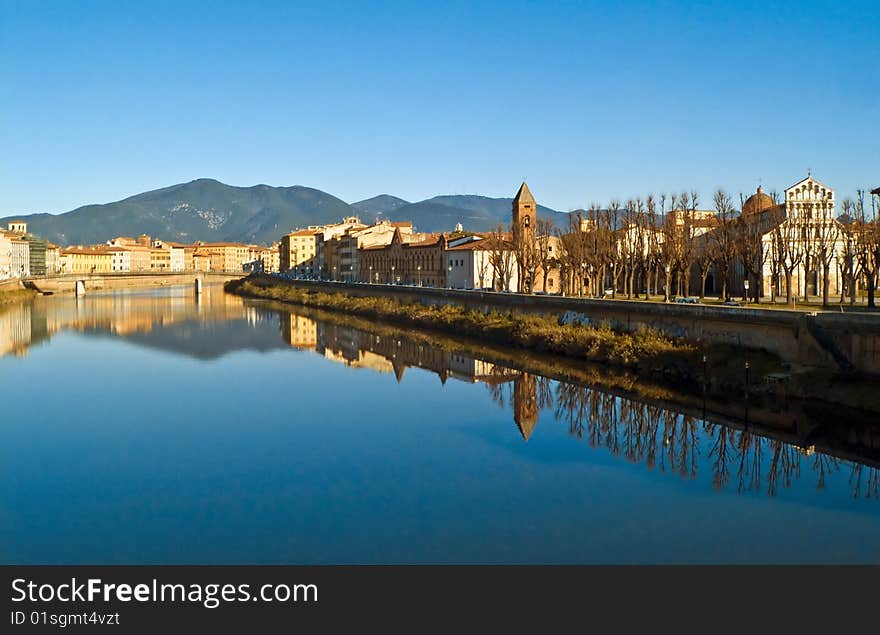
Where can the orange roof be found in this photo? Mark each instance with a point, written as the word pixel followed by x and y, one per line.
pixel 243 246
pixel 304 232
pixel 429 242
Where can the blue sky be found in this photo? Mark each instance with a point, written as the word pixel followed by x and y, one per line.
pixel 587 101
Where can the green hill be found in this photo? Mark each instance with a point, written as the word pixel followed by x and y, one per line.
pixel 204 209
pixel 209 210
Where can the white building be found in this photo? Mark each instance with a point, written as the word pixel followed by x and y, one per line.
pixel 19 257
pixel 121 259
pixel 178 258
pixel 795 232
pixel 5 255
pixel 475 262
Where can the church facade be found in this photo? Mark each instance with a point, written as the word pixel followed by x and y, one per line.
pixel 798 237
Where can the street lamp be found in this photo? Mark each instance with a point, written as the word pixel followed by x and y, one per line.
pixel 391 279
pixel 371 274
pixel 419 268
pixel 334 273
pixel 449 277
pixel 746 295
pixel 666 285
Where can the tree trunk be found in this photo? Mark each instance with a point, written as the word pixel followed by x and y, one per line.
pixel 872 284
pixel 789 296
pixel 826 266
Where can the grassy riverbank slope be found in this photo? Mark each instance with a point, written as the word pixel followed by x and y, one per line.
pixel 645 352
pixel 597 344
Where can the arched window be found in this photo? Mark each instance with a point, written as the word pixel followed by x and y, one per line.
pixel 527 221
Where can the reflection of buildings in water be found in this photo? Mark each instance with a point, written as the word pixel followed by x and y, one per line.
pixel 15 329
pixel 642 432
pixel 118 313
pixel 394 354
pixel 525 404
pixel 299 331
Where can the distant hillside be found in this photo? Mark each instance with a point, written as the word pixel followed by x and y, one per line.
pixel 209 210
pixel 378 205
pixel 204 209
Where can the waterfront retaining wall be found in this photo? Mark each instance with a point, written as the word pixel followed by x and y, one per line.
pixel 838 341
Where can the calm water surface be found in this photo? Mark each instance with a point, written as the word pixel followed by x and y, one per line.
pixel 149 427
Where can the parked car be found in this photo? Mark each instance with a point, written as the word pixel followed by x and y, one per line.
pixel 685 300
pixel 731 303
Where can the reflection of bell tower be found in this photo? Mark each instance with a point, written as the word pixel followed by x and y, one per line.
pixel 525 404
pixel 525 213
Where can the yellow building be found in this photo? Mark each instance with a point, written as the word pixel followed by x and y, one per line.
pixel 87 260
pixel 271 257
pixel 298 250
pixel 160 259
pixel 224 256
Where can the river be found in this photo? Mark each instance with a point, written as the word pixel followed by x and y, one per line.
pixel 158 427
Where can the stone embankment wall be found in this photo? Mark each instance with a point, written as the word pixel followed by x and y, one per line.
pixel 838 341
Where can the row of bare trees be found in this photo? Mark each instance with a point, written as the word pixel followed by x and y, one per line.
pixel 656 245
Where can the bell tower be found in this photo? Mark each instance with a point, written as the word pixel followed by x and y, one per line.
pixel 525 213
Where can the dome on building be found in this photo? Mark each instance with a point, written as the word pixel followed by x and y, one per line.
pixel 757 203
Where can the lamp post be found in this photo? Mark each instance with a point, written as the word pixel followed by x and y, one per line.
pixel 370 278
pixel 666 285
pixel 334 273
pixel 449 277
pixel 419 268
pixel 746 294
pixel 613 282
pixel 391 279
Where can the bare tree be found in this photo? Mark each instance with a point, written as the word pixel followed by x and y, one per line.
pixel 847 262
pixel 501 258
pixel 825 236
pixel 546 257
pixel 748 238
pixel 788 240
pixel 724 240
pixel 867 241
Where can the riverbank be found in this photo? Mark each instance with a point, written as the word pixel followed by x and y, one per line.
pixel 11 296
pixel 675 366
pixel 644 352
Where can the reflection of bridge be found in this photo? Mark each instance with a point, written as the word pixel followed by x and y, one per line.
pixel 120 313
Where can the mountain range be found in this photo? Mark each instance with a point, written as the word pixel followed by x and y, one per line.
pixel 210 211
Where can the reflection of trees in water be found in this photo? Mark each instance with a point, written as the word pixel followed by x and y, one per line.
pixel 640 432
pixel 670 441
pixel 865 481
